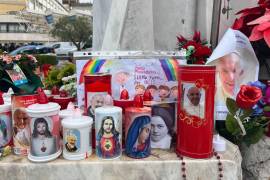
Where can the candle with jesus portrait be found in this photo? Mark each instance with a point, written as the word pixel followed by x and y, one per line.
pixel 44 128
pixel 108 127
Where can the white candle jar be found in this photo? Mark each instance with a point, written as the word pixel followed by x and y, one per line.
pixel 108 126
pixel 45 136
pixel 5 125
pixel 77 137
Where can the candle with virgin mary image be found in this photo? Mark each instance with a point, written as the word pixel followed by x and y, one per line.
pixel 138 129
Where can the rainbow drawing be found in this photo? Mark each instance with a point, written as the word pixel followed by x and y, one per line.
pixel 91 67
pixel 169 67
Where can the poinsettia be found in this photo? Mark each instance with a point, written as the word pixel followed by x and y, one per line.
pixel 197 50
pixel 255 22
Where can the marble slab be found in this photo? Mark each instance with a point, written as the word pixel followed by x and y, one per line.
pixel 161 165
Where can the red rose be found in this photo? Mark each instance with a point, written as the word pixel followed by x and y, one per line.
pixel 248 96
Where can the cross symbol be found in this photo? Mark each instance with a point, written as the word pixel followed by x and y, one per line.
pixel 226 9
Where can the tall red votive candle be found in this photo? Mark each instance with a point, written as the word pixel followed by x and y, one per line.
pixel 196 111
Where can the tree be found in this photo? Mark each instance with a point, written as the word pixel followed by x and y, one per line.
pixel 72 28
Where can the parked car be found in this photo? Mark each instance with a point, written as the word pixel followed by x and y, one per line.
pixel 63 48
pixel 33 49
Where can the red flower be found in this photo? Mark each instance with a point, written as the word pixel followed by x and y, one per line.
pixel 199 52
pixel 197 36
pixel 202 51
pixel 248 96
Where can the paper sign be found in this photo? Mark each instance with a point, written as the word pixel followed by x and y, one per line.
pixel 236 64
pixel 17 76
pixel 135 75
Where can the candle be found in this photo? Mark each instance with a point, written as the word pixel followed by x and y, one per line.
pixel 138 129
pixel 196 111
pixel 219 144
pixel 97 86
pixel 77 136
pixel 44 126
pixel 5 123
pixel 108 127
pixel 124 102
pixel 21 122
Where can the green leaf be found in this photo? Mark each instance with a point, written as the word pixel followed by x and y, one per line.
pixel 231 105
pixel 253 135
pixel 231 124
pixel 266 108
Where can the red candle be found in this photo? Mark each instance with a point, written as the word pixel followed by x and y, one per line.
pixel 96 83
pixel 196 111
pixel 96 86
pixel 124 102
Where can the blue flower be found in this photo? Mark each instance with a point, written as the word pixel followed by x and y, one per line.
pixel 258 84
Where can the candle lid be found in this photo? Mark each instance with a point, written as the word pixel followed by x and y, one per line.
pixel 67 112
pixel 77 120
pixel 108 109
pixel 138 101
pixel 147 96
pixel 43 108
pixel 42 98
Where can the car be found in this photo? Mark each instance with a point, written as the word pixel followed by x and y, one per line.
pixel 33 49
pixel 63 48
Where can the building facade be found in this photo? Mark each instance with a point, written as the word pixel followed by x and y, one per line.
pixel 25 20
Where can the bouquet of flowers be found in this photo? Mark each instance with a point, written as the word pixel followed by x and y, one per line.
pixel 21 73
pixel 197 50
pixel 247 118
pixel 69 85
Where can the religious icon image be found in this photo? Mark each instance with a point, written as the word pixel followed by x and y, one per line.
pixel 138 137
pixel 95 100
pixel 43 141
pixel 194 100
pixel 3 132
pixel 21 128
pixel 72 141
pixel 162 126
pixel 108 140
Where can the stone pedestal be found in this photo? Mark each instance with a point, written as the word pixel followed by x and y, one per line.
pixel 256 160
pixel 161 165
